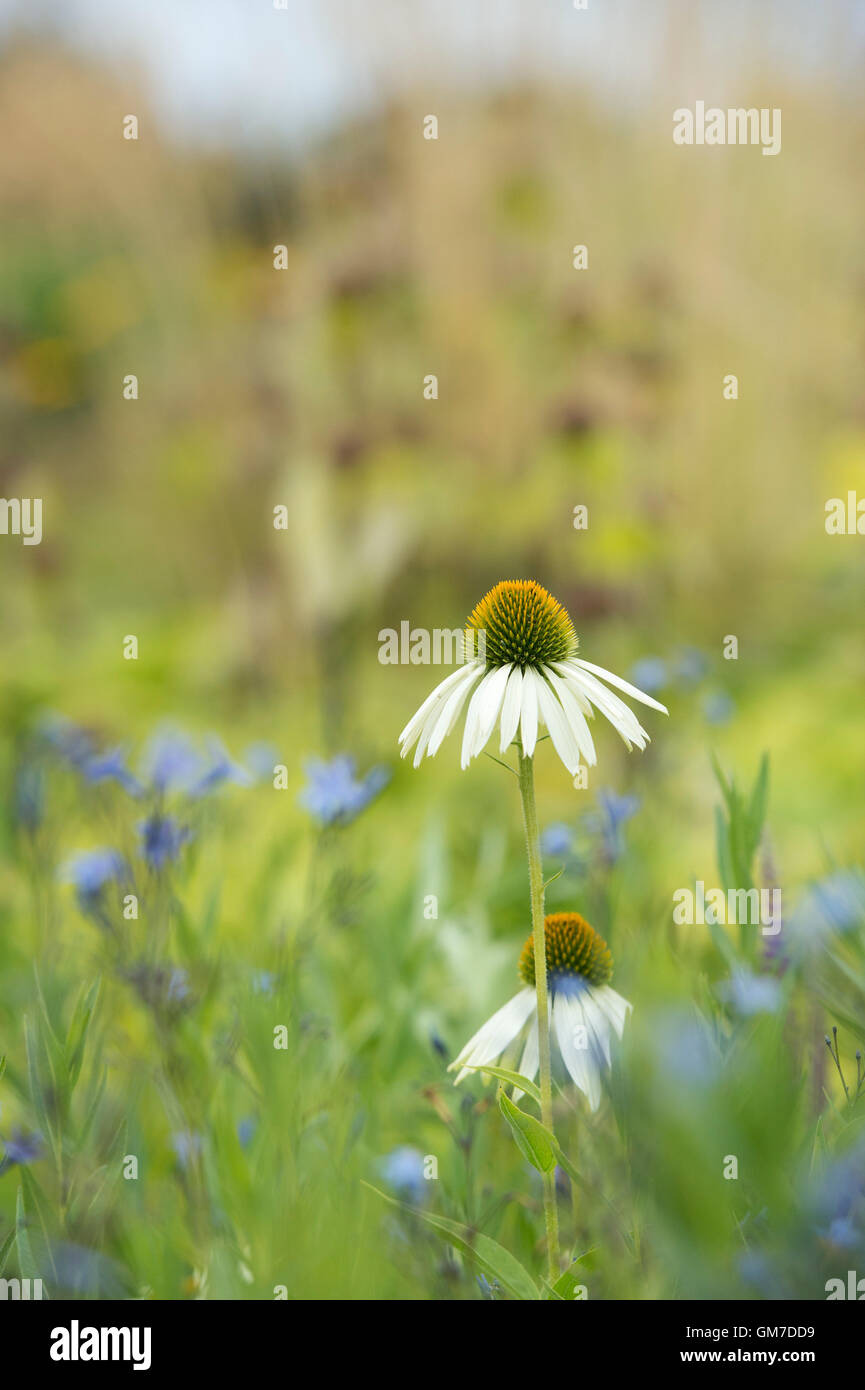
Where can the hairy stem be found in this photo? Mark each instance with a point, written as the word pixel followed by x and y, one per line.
pixel 536 891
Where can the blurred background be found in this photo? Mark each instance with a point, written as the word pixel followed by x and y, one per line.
pixel 301 903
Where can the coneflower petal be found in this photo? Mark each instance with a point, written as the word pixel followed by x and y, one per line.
pixel 437 711
pixel 416 723
pixel 567 1018
pixel 560 730
pixel 473 718
pixel 528 713
pixel 614 1006
pixel 511 708
pixel 450 712
pixel 490 1041
pixel 623 719
pixel 574 716
pixel 621 684
pixel 492 703
pixel 597 1023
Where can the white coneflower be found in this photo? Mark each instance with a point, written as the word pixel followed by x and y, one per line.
pixel 529 677
pixel 584 1010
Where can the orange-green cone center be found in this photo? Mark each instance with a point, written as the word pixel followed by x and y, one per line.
pixel 574 950
pixel 523 625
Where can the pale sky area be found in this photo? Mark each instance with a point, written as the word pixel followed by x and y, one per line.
pixel 243 72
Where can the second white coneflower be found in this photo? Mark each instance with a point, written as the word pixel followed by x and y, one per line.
pixel 584 1009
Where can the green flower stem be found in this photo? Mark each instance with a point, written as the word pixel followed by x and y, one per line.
pixel 536 890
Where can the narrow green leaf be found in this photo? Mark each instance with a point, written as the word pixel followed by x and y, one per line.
pixel 37 1091
pixel 35 1202
pixel 533 1139
pixel 566 1283
pixel 77 1035
pixel 722 850
pixel 493 1258
pixel 511 1078
pixel 759 800
pixel 5 1249
pixel 26 1262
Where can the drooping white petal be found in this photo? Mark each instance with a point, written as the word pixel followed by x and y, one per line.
pixel 597 1023
pixel 568 1018
pixel 490 1041
pixel 614 1006
pixel 437 712
pixel 574 716
pixel 530 1059
pixel 528 713
pixel 492 703
pixel 414 726
pixel 561 733
pixel 450 711
pixel 623 719
pixel 474 715
pixel 511 708
pixel 529 1062
pixel 622 685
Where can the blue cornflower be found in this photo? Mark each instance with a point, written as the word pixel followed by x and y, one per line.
pixel 650 674
pixel 691 666
pixel 403 1170
pixel 261 759
pixel 177 988
pixel 557 839
pixel 718 708
pixel 757 1270
pixel 333 794
pixel 222 768
pixel 245 1131
pixel 162 839
pixel 71 742
pixel 28 796
pixel 752 994
pixel 840 899
pixel 837 1198
pixel 835 903
pixel 22 1148
pixel 171 762
pixel 111 767
pixel 608 820
pixel 187 1145
pixel 90 870
pixel 842 1232
pixel 263 982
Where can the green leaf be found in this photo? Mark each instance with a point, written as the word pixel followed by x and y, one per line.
pixel 511 1078
pixel 37 1091
pixel 26 1262
pixel 77 1035
pixel 759 800
pixel 722 849
pixel 5 1248
pixel 534 1140
pixel 493 1258
pixel 35 1202
pixel 563 1288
